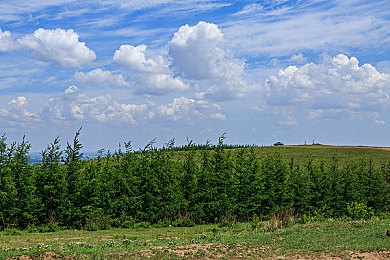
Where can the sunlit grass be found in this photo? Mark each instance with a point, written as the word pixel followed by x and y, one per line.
pixel 237 239
pixel 326 152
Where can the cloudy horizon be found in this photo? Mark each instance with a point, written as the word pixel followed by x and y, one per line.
pixel 259 71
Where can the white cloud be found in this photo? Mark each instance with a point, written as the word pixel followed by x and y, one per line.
pixel 251 9
pixel 298 58
pixel 195 51
pixel 18 111
pixel 99 76
pixel 7 43
pixel 133 58
pixel 159 84
pixel 336 83
pixel 177 108
pixel 197 54
pixel 187 109
pixel 218 116
pixel 19 101
pixel 152 76
pixel 319 26
pixel 196 57
pixel 75 105
pixel 59 46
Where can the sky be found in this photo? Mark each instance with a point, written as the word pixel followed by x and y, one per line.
pixel 259 71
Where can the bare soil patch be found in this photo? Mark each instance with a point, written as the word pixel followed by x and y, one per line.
pixel 46 256
pixel 223 251
pixel 216 251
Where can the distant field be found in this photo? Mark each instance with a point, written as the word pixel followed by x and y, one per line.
pixel 302 153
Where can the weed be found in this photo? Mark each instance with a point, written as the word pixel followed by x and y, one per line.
pixel 12 232
pixel 141 225
pixel 183 222
pixel 282 218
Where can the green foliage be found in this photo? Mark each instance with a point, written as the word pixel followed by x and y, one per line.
pixel 95 219
pixel 358 211
pixel 127 224
pixel 12 232
pixel 51 227
pixel 51 185
pixel 183 222
pixel 141 225
pixel 73 151
pixel 184 186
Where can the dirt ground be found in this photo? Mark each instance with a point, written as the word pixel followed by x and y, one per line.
pixel 186 252
pixel 383 255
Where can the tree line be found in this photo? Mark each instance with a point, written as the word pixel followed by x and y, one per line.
pixel 181 186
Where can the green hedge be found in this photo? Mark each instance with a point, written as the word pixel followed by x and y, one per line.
pixel 193 184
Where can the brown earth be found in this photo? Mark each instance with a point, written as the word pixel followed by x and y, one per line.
pixel 192 252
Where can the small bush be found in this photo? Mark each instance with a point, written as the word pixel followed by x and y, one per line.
pixel 31 229
pixel 141 225
pixel 183 222
pixel 12 232
pixel 358 211
pixel 281 218
pixel 272 225
pixel 127 224
pixel 95 219
pixel 50 227
pixel 227 224
pixel 161 224
pixel 385 215
pixel 93 224
pixel 255 222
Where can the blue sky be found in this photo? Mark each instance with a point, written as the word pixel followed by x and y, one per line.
pixel 261 71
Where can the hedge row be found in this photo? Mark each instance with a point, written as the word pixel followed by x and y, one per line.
pixel 181 186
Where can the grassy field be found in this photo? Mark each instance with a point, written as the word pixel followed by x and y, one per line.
pixel 317 240
pixel 301 153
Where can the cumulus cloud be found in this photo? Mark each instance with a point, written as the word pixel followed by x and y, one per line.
pixel 60 46
pixel 159 84
pixel 75 105
pixel 133 58
pixel 183 108
pixel 18 111
pixel 7 43
pixel 152 76
pixel 195 51
pixel 20 101
pixel 99 76
pixel 197 54
pixel 336 83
